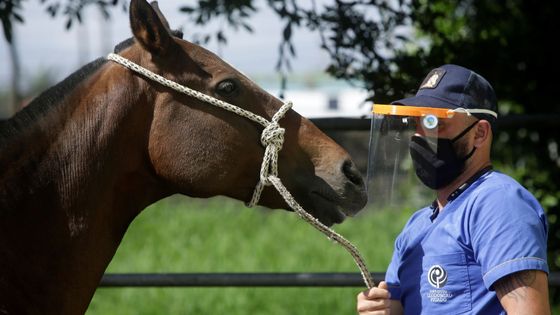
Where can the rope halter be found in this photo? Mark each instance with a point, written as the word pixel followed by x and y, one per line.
pixel 272 138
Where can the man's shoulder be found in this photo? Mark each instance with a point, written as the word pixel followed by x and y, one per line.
pixel 504 195
pixel 497 184
pixel 419 217
pixel 497 178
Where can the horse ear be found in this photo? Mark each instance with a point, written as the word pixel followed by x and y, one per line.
pixel 148 29
pixel 162 18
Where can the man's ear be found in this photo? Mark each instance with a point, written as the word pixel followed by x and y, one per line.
pixel 148 29
pixel 483 133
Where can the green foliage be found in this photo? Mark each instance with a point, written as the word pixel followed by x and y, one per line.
pixel 221 235
pixel 234 13
pixel 11 11
pixel 358 35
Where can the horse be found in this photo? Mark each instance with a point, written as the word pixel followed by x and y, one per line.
pixel 89 154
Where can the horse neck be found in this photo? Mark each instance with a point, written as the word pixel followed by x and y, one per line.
pixel 73 181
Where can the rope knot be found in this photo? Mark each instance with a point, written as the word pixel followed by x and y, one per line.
pixel 273 135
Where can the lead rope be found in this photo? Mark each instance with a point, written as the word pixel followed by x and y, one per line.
pixel 272 138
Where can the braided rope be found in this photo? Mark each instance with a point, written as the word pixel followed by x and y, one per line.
pixel 272 138
pixel 330 233
pixel 185 90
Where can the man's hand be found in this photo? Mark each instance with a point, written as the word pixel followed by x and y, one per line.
pixel 375 301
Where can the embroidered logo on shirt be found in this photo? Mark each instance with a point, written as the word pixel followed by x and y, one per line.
pixel 437 276
pixel 439 296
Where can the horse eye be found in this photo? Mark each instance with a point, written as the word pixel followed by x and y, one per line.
pixel 227 87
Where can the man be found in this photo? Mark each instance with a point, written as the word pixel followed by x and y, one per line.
pixel 480 248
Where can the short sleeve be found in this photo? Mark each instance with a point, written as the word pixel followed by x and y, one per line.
pixel 508 231
pixel 392 276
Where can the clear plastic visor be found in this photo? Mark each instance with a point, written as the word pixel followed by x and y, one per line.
pixel 391 178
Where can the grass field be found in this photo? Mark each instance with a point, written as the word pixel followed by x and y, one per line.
pixel 221 235
pixel 179 234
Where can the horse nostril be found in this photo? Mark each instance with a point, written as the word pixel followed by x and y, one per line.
pixel 351 172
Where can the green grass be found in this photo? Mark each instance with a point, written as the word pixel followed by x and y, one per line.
pixel 221 235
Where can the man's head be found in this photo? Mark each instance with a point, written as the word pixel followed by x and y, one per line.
pixel 460 143
pixel 447 128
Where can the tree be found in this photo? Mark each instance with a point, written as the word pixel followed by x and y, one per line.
pixel 11 12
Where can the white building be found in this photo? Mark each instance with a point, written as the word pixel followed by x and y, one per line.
pixel 322 104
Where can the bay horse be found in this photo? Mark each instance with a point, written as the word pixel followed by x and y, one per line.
pixel 89 154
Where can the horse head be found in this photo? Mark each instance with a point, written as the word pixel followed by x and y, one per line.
pixel 201 150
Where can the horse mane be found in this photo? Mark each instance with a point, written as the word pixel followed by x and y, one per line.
pixel 123 45
pixel 48 99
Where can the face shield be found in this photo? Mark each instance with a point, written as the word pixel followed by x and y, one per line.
pixel 392 178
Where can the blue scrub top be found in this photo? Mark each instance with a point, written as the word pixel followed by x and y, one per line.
pixel 448 265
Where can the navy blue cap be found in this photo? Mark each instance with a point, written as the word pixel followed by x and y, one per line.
pixel 452 86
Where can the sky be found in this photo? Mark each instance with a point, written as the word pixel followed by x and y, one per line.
pixel 45 45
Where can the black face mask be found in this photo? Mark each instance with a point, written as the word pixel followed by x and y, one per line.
pixel 437 169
